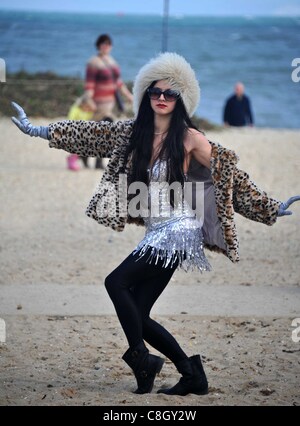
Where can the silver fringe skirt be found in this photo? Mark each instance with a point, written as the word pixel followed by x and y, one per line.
pixel 174 236
pixel 174 240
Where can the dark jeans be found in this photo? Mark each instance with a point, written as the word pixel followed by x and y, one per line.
pixel 134 286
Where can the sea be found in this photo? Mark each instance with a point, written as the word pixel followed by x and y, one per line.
pixel 262 52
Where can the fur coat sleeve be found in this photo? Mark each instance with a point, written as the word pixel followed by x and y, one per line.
pixel 251 202
pixel 88 138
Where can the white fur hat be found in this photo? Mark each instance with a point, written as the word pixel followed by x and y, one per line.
pixel 178 72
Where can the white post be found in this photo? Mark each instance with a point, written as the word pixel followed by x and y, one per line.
pixel 2 331
pixel 2 71
pixel 165 26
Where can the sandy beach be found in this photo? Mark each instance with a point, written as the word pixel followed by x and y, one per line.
pixel 63 341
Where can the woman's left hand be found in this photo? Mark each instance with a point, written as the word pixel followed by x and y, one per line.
pixel 283 206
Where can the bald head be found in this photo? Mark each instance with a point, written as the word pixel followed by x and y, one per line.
pixel 239 89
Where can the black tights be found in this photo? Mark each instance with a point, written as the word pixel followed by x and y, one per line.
pixel 134 286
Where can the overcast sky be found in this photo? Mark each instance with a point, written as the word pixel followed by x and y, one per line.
pixel 177 7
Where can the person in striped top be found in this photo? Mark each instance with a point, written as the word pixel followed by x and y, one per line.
pixel 103 80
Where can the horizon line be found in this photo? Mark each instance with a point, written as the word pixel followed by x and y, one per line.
pixel 122 14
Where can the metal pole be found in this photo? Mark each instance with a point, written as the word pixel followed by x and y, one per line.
pixel 165 26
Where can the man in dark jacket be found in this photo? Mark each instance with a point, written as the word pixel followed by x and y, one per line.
pixel 237 111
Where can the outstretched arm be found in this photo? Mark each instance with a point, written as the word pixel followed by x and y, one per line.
pixel 85 138
pixel 251 202
pixel 254 203
pixel 283 206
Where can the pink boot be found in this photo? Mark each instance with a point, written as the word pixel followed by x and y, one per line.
pixel 72 162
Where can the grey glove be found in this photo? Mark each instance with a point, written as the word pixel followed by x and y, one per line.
pixel 26 127
pixel 283 206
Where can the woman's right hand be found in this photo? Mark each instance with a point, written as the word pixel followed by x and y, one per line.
pixel 25 126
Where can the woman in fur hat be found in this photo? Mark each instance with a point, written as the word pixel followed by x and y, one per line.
pixel 160 153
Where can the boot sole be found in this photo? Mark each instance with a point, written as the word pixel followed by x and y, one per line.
pixel 204 392
pixel 199 393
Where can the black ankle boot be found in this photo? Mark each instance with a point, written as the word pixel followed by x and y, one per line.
pixel 193 378
pixel 144 365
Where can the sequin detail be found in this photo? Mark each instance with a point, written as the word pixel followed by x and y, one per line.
pixel 174 235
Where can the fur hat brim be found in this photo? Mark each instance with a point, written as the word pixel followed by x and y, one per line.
pixel 178 72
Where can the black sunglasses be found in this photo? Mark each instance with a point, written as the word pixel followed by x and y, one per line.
pixel 169 94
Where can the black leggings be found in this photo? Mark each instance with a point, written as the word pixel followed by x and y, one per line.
pixel 133 287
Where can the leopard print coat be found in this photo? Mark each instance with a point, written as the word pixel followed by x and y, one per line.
pixel 233 191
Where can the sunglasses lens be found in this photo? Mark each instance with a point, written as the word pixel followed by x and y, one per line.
pixel 169 95
pixel 154 93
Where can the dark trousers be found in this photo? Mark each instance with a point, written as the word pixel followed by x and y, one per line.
pixel 134 286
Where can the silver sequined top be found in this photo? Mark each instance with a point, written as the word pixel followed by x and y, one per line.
pixel 173 234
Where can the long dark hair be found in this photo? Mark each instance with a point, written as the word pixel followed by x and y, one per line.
pixel 172 149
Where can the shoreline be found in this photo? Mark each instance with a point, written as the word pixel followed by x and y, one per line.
pixel 46 95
